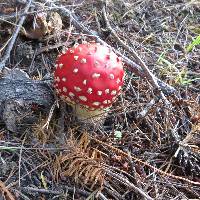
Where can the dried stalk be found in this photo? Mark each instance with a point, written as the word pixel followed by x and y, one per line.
pixel 135 68
pixel 156 170
pixel 146 70
pixel 14 36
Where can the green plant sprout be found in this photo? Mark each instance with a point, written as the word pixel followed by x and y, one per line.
pixel 182 78
pixel 118 135
pixel 194 43
pixel 169 69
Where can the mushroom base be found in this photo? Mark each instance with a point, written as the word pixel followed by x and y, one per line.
pixel 87 115
pixel 91 116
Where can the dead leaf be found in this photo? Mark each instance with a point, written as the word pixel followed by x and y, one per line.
pixel 55 23
pixel 43 24
pixel 39 27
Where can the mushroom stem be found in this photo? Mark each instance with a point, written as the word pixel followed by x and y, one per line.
pixel 88 115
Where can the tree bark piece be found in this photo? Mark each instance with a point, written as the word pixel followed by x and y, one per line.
pixel 18 93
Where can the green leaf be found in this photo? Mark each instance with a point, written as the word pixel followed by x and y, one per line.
pixel 118 134
pixel 182 78
pixel 194 43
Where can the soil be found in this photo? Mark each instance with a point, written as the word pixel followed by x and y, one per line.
pixel 143 148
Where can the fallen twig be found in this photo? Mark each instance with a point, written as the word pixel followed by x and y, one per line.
pixel 61 192
pixel 144 112
pixel 135 68
pixel 14 36
pixel 55 192
pixel 146 70
pixel 156 170
pixel 128 184
pixel 4 189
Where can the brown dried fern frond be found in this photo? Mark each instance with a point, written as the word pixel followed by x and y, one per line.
pixel 83 163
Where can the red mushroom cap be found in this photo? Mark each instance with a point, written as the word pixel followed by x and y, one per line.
pixel 89 74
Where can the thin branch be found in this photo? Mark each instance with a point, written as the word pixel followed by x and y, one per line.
pixel 20 160
pixel 128 184
pixel 55 192
pixel 146 70
pixel 65 12
pixel 156 170
pixel 5 190
pixel 14 36
pixel 135 68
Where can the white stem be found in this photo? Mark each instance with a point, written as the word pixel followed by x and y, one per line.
pixel 83 113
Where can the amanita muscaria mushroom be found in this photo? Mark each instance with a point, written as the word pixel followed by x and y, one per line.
pixel 88 76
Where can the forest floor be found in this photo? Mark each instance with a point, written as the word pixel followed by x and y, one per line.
pixel 148 146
